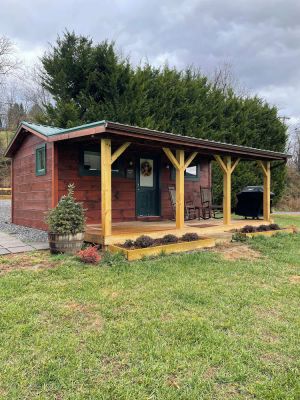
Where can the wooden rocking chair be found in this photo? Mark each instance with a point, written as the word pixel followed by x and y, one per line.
pixel 209 209
pixel 190 210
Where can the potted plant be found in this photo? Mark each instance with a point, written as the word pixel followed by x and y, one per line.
pixel 66 224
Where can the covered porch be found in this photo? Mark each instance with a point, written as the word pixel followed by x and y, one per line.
pixel 180 151
pixel 121 231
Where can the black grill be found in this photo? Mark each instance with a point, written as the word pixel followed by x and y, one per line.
pixel 250 201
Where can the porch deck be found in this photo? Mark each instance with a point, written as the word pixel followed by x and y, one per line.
pixel 122 231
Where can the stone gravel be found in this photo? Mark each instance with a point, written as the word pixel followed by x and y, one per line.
pixel 21 232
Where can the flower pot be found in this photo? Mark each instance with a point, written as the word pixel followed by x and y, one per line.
pixel 69 244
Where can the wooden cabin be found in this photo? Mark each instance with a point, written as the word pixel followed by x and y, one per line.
pixel 121 173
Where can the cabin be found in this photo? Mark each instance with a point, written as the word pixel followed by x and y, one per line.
pixel 122 175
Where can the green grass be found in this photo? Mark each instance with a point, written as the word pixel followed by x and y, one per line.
pixel 191 326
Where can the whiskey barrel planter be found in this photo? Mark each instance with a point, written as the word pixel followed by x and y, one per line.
pixel 137 254
pixel 69 244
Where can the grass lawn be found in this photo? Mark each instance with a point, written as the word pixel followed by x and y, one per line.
pixel 193 326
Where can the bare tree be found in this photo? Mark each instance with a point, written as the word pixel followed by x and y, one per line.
pixel 296 148
pixel 225 79
pixel 8 60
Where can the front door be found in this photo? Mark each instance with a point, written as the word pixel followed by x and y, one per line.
pixel 147 187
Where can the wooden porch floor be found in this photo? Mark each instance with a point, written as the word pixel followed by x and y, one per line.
pixel 122 231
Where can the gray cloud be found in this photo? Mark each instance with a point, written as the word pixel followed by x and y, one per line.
pixel 259 38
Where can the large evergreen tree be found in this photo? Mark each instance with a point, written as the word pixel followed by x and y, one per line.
pixel 92 82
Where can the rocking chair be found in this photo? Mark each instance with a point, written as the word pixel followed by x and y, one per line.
pixel 209 209
pixel 190 210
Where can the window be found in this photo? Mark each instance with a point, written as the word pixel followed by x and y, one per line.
pixel 90 164
pixel 40 160
pixel 192 173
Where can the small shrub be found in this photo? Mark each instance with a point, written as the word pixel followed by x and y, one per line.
pixel 239 237
pixel 262 228
pixel 128 244
pixel 89 255
pixel 190 237
pixel 114 260
pixel 169 239
pixel 274 227
pixel 68 217
pixel 248 229
pixel 144 241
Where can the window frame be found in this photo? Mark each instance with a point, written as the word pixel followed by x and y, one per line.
pixel 41 149
pixel 86 172
pixel 121 173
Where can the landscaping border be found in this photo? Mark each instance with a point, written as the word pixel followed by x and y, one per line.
pixel 137 254
pixel 268 233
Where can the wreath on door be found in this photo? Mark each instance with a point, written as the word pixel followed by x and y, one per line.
pixel 146 169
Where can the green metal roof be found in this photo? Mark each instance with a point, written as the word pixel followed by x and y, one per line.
pixel 53 130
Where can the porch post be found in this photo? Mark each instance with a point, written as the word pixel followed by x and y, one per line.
pixel 266 168
pixel 227 192
pixel 106 187
pixel 227 170
pixel 180 190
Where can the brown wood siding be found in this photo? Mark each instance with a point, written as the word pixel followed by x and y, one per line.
pixel 88 188
pixel 31 193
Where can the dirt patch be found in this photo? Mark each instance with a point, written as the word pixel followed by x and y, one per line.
pixel 294 279
pixel 91 319
pixel 210 373
pixel 173 381
pixel 236 251
pixel 33 262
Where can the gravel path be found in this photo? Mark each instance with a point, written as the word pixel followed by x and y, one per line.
pixel 21 232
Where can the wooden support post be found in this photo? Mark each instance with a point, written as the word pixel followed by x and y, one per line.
pixel 106 187
pixel 180 189
pixel 227 169
pixel 54 175
pixel 227 192
pixel 180 166
pixel 266 168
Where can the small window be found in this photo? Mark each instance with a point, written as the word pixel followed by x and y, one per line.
pixel 90 164
pixel 40 160
pixel 192 173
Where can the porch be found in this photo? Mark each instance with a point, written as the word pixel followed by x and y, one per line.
pixel 121 231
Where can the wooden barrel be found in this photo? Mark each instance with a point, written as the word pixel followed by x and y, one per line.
pixel 69 244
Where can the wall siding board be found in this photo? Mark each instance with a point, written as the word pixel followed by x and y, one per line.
pixel 32 194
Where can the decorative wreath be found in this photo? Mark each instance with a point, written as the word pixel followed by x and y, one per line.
pixel 146 169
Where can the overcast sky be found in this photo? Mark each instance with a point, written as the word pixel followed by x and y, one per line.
pixel 259 38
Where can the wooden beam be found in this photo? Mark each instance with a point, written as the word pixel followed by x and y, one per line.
pixel 262 165
pixel 106 187
pixel 171 157
pixel 221 163
pixel 227 192
pixel 266 168
pixel 54 175
pixel 190 159
pixel 180 189
pixel 119 151
pixel 235 164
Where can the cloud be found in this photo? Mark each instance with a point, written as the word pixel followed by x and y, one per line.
pixel 259 38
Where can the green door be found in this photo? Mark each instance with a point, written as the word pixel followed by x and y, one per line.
pixel 147 187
